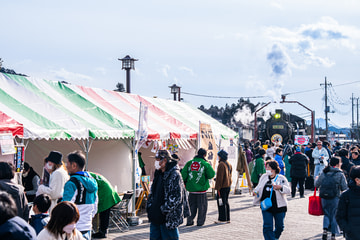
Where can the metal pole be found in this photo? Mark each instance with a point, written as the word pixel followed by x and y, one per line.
pixel 312 126
pixel 326 111
pixel 128 81
pixel 133 200
pixel 357 119
pixel 87 153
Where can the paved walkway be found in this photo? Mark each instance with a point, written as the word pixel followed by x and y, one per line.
pixel 246 222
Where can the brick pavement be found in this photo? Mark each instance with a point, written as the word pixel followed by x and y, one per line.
pixel 246 222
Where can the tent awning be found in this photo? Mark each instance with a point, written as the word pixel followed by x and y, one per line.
pixel 53 110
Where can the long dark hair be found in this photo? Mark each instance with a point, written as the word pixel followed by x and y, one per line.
pixel 333 162
pixel 8 207
pixel 63 214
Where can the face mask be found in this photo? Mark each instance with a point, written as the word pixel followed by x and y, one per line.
pixel 69 228
pixel 157 165
pixel 268 172
pixel 25 174
pixel 48 166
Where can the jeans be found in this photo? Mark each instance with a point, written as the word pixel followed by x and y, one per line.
pixel 268 224
pixel 160 232
pixel 294 182
pixel 318 170
pixel 329 208
pixel 86 234
pixel 224 210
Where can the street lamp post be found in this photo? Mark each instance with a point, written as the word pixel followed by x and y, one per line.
pixel 176 91
pixel 128 64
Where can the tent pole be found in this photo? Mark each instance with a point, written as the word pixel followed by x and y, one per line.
pixel 86 148
pixel 87 153
pixel 133 213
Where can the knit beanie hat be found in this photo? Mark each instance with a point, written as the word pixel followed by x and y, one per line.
pixel 223 155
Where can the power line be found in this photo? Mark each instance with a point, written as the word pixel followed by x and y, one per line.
pixel 289 93
pixel 210 96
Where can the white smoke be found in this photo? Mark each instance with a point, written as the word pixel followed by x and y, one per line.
pixel 243 115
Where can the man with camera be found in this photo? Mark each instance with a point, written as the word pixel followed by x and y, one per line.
pixel 321 156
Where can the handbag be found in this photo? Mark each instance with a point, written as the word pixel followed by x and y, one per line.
pixel 315 207
pixel 266 203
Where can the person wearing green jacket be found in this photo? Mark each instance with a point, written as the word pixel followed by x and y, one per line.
pixel 196 174
pixel 108 198
pixel 259 167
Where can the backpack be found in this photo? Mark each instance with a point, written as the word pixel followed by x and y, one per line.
pixel 81 191
pixel 328 187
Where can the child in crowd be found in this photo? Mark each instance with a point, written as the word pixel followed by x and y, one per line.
pixel 41 218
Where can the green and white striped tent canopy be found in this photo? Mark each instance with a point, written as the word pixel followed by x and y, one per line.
pixel 47 109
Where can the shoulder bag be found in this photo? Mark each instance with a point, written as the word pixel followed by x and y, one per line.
pixel 266 203
pixel 315 207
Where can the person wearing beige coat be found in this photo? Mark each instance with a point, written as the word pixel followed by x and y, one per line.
pixel 278 210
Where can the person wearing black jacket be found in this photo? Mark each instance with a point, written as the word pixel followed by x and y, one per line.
pixel 348 211
pixel 167 203
pixel 346 163
pixel 298 171
pixel 30 181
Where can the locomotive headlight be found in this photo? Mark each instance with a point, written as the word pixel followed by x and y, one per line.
pixel 277 116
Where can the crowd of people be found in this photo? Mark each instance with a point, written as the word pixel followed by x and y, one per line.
pixel 64 201
pixel 285 169
pixel 66 198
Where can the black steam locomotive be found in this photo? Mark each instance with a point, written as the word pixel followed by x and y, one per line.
pixel 281 126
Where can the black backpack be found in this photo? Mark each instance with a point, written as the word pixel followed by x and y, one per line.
pixel 328 187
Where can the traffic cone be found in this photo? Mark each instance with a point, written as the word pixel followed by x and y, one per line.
pixel 243 181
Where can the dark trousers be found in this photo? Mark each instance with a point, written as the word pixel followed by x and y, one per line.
pixel 224 210
pixel 198 203
pixel 104 220
pixel 294 182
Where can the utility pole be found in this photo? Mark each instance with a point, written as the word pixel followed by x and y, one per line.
pixel 352 117
pixel 327 109
pixel 357 119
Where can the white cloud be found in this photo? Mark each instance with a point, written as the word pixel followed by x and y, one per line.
pixel 165 70
pixel 186 69
pixel 70 77
pixel 102 70
pixel 277 5
pixel 305 45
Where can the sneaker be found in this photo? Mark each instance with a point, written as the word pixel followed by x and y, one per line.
pixel 99 235
pixel 324 235
pixel 221 222
pixel 189 224
pixel 302 196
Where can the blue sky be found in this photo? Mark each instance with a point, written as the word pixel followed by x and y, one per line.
pixel 230 48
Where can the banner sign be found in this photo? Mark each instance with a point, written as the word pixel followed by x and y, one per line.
pixel 7 144
pixel 301 140
pixel 142 135
pixel 19 158
pixel 207 141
